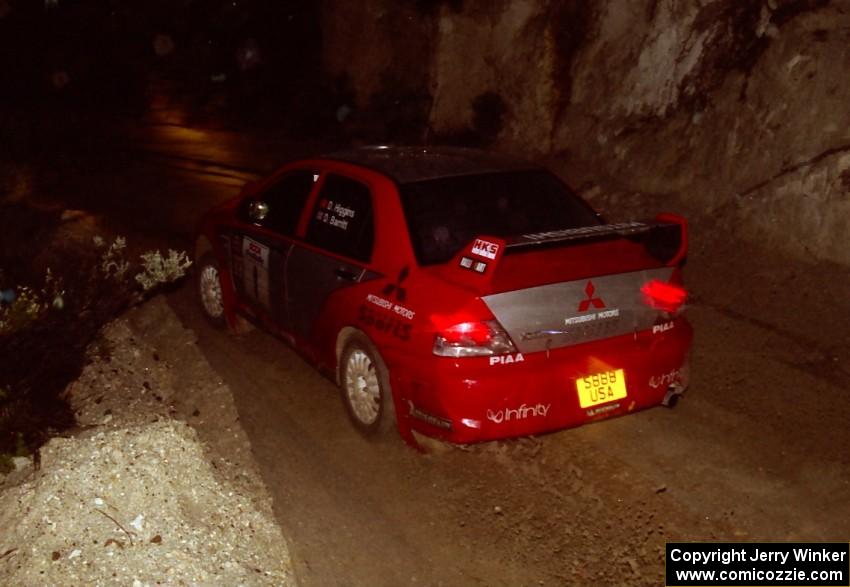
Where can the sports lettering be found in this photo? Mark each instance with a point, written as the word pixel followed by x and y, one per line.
pixel 384 321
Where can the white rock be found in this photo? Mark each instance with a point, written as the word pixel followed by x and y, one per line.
pixel 138 522
pixel 21 462
pixel 74 553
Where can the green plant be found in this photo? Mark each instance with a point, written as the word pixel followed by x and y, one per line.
pixel 26 308
pixel 112 261
pixel 160 270
pixel 46 330
pixel 29 305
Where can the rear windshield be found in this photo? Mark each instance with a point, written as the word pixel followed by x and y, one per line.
pixel 443 215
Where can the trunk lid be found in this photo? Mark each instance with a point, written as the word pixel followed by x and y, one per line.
pixel 576 311
pixel 569 287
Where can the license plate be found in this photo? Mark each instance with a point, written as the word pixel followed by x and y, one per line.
pixel 601 388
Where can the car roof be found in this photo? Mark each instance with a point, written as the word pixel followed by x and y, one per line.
pixel 411 164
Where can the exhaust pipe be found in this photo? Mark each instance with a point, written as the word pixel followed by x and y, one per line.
pixel 678 387
pixel 671 398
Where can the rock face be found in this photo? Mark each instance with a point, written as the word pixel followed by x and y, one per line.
pixel 736 106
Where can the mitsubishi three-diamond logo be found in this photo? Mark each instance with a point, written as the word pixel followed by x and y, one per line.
pixel 396 288
pixel 585 304
pixel 586 317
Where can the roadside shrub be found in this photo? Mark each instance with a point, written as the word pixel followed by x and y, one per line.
pixel 159 270
pixel 45 329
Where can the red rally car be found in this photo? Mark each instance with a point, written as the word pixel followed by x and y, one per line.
pixel 457 293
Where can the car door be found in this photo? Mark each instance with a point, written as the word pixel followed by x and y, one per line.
pixel 337 249
pixel 261 247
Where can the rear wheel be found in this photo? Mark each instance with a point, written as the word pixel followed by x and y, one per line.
pixel 208 286
pixel 366 393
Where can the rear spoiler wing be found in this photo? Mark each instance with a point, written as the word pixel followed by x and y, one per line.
pixel 666 237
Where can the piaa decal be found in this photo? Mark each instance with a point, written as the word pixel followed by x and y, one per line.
pixel 659 328
pixel 507 359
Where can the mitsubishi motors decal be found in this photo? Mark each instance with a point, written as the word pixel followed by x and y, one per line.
pixel 584 305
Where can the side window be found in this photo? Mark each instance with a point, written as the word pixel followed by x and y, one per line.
pixel 285 200
pixel 342 219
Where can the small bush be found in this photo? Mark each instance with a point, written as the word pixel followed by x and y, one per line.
pixel 159 270
pixel 46 328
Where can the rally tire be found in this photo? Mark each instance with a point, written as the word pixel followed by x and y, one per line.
pixel 365 388
pixel 209 290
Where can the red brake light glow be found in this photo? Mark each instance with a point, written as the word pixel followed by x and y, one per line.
pixel 472 339
pixel 665 296
pixel 476 332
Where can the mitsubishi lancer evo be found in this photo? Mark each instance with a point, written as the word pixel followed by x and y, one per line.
pixel 460 294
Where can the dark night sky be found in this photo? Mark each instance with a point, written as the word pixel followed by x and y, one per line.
pixel 107 50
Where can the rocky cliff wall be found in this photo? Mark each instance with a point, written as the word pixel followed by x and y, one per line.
pixel 732 108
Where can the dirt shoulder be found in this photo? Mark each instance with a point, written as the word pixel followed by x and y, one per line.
pixel 155 486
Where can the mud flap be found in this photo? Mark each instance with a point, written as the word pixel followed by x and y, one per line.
pixel 402 415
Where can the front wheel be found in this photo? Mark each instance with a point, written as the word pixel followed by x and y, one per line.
pixel 366 393
pixel 208 285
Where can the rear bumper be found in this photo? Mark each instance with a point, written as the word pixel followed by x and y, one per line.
pixel 470 400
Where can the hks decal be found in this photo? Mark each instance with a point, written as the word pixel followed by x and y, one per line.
pixel 485 248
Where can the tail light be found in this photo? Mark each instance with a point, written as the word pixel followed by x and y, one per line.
pixel 664 296
pixel 473 339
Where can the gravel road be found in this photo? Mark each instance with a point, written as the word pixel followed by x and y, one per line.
pixel 757 450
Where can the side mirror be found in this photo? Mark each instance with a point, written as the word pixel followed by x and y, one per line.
pixel 258 210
